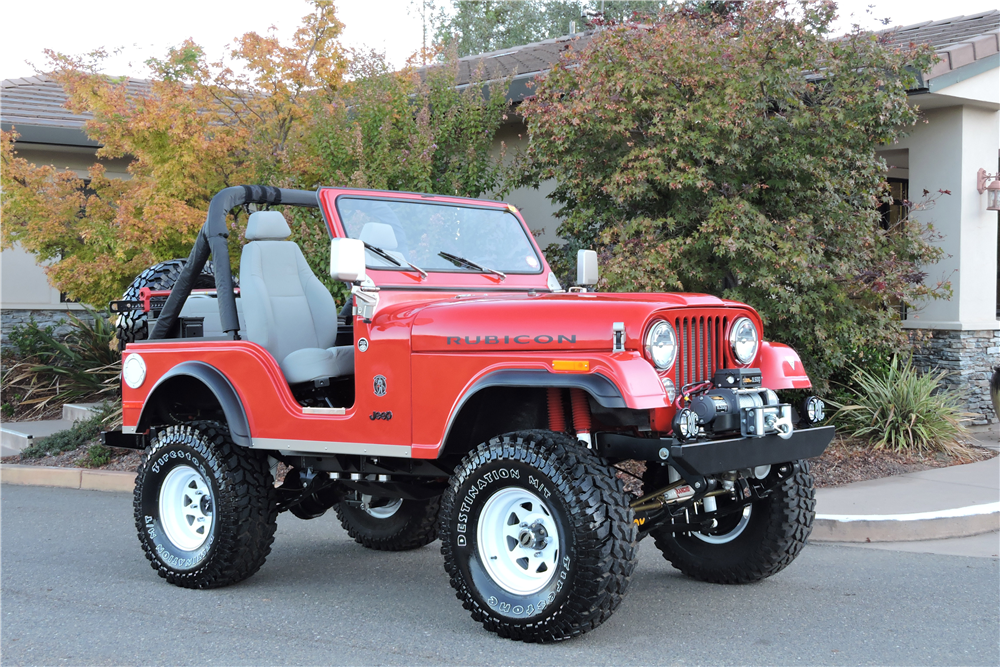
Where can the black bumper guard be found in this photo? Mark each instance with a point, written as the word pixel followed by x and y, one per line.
pixel 710 457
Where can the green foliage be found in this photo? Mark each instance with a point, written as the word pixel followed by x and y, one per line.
pixel 80 365
pixel 285 116
pixel 735 155
pixel 902 410
pixel 97 455
pixel 480 26
pixel 76 436
pixel 407 131
pixel 30 339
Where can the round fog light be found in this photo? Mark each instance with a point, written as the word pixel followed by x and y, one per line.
pixel 668 386
pixel 814 409
pixel 685 424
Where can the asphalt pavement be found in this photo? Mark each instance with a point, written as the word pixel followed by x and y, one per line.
pixel 76 589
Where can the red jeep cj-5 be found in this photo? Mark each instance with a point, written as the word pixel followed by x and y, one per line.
pixel 462 394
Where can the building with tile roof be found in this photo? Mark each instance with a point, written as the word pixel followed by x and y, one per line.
pixel 959 98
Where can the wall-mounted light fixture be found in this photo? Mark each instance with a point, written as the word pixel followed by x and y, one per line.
pixel 992 190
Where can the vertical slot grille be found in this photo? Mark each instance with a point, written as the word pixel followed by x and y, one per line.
pixel 701 348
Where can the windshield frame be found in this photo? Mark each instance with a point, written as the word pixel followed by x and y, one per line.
pixel 337 227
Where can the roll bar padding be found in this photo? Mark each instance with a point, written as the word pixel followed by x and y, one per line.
pixel 213 239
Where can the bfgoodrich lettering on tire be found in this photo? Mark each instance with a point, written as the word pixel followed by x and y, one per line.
pixel 204 507
pixel 537 536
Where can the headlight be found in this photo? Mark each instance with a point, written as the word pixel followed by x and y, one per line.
pixel 743 340
pixel 661 345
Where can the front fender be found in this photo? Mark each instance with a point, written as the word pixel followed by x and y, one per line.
pixel 781 367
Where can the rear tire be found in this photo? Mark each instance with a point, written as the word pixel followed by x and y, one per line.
pixel 391 524
pixel 537 536
pixel 204 507
pixel 750 545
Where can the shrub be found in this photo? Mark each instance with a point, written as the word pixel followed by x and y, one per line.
pixel 76 436
pixel 902 410
pixel 735 154
pixel 97 455
pixel 29 339
pixel 83 365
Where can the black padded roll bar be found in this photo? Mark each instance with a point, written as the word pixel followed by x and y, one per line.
pixel 214 239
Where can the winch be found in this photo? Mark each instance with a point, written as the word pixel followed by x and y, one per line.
pixel 735 402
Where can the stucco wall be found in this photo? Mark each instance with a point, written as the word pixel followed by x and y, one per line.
pixel 23 284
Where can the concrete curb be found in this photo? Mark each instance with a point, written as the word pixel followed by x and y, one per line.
pixel 937 525
pixel 67 478
pixel 941 524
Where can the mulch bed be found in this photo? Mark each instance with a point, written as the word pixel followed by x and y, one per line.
pixel 846 461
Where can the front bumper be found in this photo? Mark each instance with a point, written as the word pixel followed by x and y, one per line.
pixel 710 457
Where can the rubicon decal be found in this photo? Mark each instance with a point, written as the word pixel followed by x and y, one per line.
pixel 521 339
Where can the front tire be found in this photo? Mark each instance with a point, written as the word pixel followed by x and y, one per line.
pixel 390 524
pixel 748 545
pixel 204 507
pixel 537 536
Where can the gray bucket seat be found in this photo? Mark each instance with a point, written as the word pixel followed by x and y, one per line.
pixel 288 311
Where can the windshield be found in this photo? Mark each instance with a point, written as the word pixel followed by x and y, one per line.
pixel 439 237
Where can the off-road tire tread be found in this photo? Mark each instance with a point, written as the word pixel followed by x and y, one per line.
pixel 606 553
pixel 245 507
pixel 419 531
pixel 134 325
pixel 789 523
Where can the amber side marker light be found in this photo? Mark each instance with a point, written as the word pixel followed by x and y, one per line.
pixel 571 365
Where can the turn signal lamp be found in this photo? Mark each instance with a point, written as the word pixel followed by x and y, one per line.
pixel 571 365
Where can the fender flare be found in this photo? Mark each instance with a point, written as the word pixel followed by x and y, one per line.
pixel 221 388
pixel 781 367
pixel 600 388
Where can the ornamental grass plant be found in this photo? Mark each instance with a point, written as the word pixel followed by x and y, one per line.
pixel 50 370
pixel 898 408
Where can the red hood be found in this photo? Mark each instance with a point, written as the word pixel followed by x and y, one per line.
pixel 546 321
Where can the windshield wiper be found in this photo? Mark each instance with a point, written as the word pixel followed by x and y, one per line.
pixel 389 258
pixel 461 261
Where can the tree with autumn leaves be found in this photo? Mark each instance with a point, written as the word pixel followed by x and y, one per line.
pixel 720 148
pixel 296 115
pixel 734 153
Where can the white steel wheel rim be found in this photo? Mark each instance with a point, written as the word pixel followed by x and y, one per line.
pixel 186 508
pixel 728 536
pixel 518 541
pixel 382 511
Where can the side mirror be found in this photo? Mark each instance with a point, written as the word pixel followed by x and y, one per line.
pixel 586 268
pixel 347 260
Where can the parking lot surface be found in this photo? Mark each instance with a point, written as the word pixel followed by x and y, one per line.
pixel 76 589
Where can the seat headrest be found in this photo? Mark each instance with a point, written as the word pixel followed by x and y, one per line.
pixel 379 235
pixel 267 226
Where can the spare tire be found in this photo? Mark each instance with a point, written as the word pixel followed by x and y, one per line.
pixel 132 325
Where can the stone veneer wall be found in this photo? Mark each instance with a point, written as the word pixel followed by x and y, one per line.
pixel 971 356
pixel 10 317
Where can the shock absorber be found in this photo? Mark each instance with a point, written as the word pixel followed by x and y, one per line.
pixel 557 416
pixel 581 415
